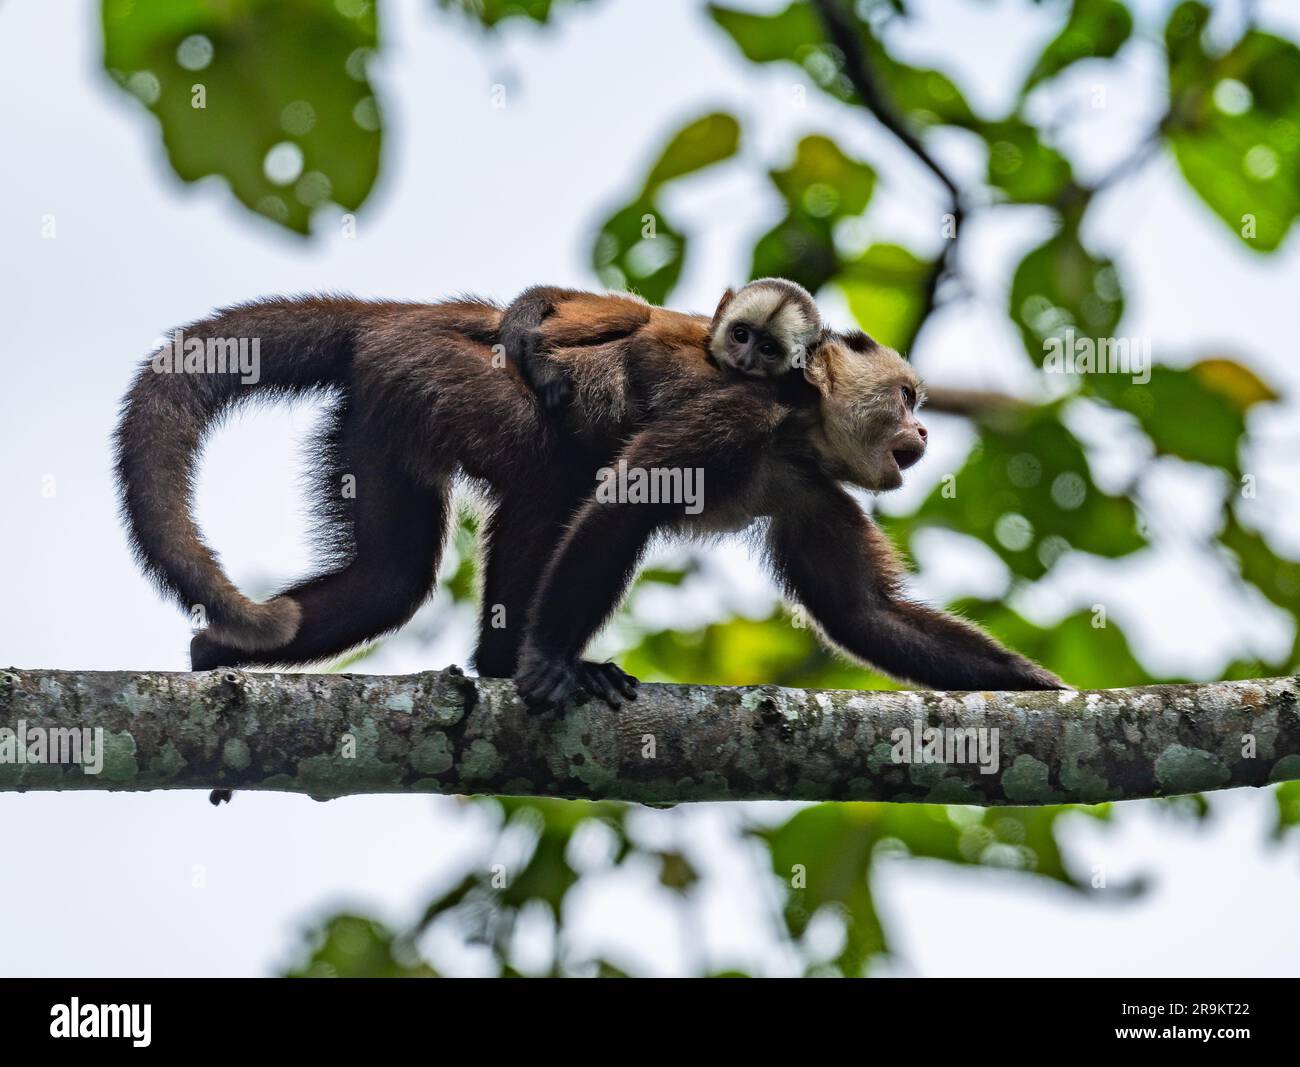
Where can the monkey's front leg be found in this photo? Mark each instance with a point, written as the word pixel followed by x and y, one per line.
pixel 834 560
pixel 520 538
pixel 716 436
pixel 581 587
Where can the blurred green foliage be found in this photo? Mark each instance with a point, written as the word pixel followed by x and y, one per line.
pixel 824 854
pixel 294 71
pixel 270 94
pixel 1234 125
pixel 490 13
pixel 1095 29
pixel 352 946
pixel 1026 492
pixel 638 248
pixel 1062 291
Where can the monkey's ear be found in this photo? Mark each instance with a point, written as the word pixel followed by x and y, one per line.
pixel 726 299
pixel 817 369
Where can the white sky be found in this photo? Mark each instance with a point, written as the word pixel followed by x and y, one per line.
pixel 488 201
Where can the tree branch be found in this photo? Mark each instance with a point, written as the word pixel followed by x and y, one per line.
pixel 971 403
pixel 331 735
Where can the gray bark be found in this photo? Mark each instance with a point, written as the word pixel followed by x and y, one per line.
pixel 330 735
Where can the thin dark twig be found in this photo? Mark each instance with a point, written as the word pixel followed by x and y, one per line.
pixel 842 30
pixel 843 33
pixel 1132 163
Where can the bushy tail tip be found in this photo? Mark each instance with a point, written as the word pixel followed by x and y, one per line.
pixel 259 626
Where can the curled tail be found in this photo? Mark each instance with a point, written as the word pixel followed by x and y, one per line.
pixel 267 349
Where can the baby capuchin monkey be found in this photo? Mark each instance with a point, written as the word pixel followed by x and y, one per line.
pixel 764 330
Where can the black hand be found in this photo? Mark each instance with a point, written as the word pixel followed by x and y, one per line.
pixel 546 683
pixel 607 681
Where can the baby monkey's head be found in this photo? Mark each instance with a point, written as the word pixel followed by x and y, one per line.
pixel 765 329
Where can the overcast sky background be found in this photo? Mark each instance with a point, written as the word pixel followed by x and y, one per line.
pixel 476 199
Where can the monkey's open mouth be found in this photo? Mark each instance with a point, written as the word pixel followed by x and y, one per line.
pixel 907 457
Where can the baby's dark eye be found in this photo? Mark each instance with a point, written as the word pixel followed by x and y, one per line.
pixel 909 396
pixel 739 334
pixel 768 349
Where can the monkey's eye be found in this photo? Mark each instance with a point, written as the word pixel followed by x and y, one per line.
pixel 767 349
pixel 739 334
pixel 909 396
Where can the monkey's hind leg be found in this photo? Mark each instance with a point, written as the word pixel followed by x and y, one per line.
pixel 519 538
pixel 387 527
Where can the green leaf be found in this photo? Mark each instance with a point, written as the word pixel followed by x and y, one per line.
pixel 459 579
pixel 1242 387
pixel 1196 412
pixel 1276 577
pixel 1095 29
pixel 1288 807
pixel 352 946
pixel 927 97
pixel 289 118
pixel 1026 492
pixel 795 35
pixel 676 872
pixel 790 35
pixel 563 816
pixel 547 876
pixel 823 183
pixel 1234 126
pixel 1018 839
pixel 1183 49
pixel 1062 294
pixel 1027 170
pixel 667 575
pixel 489 13
pixel 820 187
pixel 638 248
pixel 884 289
pixel 823 856
pixel 700 144
pixel 798 249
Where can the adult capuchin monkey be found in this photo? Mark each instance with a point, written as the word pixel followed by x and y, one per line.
pixel 417 402
pixel 649 382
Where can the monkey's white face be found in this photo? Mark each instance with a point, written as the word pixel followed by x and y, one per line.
pixel 752 350
pixel 765 329
pixel 869 433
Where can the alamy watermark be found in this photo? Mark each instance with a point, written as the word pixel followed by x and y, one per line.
pixel 179 354
pixel 1070 353
pixel 25 744
pixel 75 1019
pixel 941 744
pixel 651 485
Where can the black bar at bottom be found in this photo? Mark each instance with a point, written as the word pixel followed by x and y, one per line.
pixel 236 1016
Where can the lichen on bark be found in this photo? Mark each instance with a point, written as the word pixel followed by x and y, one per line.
pixel 331 735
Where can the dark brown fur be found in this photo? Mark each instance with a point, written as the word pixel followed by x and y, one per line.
pixel 417 402
pixel 640 379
